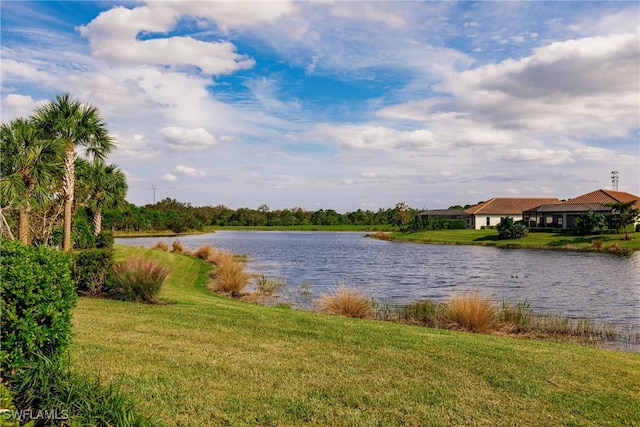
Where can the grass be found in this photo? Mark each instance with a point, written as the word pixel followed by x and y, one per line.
pixel 601 242
pixel 138 279
pixel 229 276
pixel 346 301
pixel 470 312
pixel 208 360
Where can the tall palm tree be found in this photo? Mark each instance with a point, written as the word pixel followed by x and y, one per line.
pixel 103 186
pixel 67 119
pixel 30 166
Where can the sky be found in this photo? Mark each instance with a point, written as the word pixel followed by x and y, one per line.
pixel 341 105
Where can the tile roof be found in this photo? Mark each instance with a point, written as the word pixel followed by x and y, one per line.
pixel 569 208
pixel 509 205
pixel 605 196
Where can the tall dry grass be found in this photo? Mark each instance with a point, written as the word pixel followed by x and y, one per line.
pixel 162 246
pixel 346 301
pixel 138 279
pixel 204 252
pixel 470 312
pixel 177 247
pixel 229 276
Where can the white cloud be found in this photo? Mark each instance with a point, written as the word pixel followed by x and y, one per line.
pixel 186 139
pixel 377 137
pixel 113 36
pixel 169 177
pixel 15 105
pixel 189 171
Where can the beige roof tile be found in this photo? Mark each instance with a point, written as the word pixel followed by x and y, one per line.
pixel 510 205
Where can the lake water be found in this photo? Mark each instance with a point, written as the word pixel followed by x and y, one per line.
pixel 598 286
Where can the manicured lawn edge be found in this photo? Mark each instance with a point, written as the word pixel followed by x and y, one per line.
pixel 207 360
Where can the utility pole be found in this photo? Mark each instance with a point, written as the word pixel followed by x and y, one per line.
pixel 154 193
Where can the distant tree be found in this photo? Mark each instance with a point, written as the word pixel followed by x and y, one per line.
pixel 402 214
pixel 622 215
pixel 589 223
pixel 509 229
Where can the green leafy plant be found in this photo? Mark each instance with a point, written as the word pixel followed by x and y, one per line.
pixel 38 296
pixel 72 399
pixel 589 223
pixel 508 229
pixel 92 270
pixel 137 279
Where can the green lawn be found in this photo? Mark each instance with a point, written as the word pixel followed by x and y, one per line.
pixel 533 240
pixel 205 360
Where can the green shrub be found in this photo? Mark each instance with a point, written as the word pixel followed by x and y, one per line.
pixel 137 279
pixel 104 240
pixel 38 296
pixel 92 270
pixel 9 416
pixel 57 396
pixel 589 223
pixel 509 229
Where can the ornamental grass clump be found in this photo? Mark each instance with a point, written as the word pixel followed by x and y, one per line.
pixel 161 246
pixel 204 252
pixel 137 279
pixel 177 247
pixel 346 301
pixel 470 312
pixel 229 276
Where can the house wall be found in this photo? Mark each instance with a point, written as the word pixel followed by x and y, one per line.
pixel 479 221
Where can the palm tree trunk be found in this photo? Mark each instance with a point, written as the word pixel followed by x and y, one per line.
pixel 97 222
pixel 68 187
pixel 23 223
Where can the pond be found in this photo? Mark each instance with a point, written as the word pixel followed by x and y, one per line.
pixel 598 286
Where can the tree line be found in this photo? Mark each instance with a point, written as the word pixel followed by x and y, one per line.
pixel 171 214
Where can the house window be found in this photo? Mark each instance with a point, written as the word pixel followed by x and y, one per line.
pixel 560 221
pixel 488 220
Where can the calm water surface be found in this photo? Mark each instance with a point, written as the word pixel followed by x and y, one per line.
pixel 598 286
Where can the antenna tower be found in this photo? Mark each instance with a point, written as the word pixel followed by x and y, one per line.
pixel 614 180
pixel 154 193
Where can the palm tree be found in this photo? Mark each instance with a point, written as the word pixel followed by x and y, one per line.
pixel 103 186
pixel 31 165
pixel 68 120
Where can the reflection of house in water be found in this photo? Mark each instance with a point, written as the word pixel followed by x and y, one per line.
pixel 563 215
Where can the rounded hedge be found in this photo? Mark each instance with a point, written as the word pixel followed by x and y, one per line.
pixel 38 296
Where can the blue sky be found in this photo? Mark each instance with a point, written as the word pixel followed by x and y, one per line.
pixel 342 105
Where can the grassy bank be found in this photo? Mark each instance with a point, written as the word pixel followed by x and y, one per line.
pixel 206 360
pixel 603 242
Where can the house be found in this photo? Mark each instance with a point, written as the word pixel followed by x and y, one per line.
pixel 563 215
pixel 489 213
